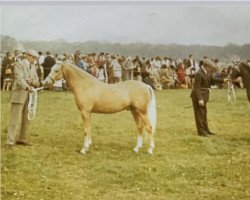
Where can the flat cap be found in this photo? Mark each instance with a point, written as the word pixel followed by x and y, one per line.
pixel 33 53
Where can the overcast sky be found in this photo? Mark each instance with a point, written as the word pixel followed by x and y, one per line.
pixel 157 24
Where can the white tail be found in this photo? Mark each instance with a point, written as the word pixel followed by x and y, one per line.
pixel 152 110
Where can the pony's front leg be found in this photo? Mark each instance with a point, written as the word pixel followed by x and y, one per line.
pixel 86 129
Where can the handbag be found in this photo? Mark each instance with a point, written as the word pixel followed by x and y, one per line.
pixel 7 71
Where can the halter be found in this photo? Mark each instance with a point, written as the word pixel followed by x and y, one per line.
pixel 53 80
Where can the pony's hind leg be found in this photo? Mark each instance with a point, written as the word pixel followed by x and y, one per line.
pixel 140 127
pixel 149 129
pixel 86 129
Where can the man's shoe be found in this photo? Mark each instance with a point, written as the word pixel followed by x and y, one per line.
pixel 210 133
pixel 24 143
pixel 203 134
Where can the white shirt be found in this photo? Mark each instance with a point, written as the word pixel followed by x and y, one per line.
pixel 157 64
pixel 41 59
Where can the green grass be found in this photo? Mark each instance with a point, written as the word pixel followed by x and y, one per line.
pixel 184 166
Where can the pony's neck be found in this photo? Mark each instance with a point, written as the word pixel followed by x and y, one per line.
pixel 76 80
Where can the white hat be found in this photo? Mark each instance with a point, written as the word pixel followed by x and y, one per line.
pixel 33 53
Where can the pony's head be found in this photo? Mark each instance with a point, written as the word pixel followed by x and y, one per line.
pixel 235 72
pixel 243 70
pixel 55 74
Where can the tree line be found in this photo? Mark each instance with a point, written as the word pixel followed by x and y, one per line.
pixel 60 46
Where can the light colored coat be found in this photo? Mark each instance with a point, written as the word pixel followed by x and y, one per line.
pixel 23 71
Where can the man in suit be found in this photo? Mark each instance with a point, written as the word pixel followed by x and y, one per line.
pixel 200 95
pixel 25 79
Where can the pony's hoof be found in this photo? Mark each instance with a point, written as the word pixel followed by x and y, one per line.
pixel 150 151
pixel 83 151
pixel 136 149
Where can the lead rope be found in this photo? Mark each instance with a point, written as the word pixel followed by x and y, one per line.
pixel 231 97
pixel 32 105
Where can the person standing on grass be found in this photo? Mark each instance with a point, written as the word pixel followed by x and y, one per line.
pixel 200 95
pixel 24 80
pixel 48 64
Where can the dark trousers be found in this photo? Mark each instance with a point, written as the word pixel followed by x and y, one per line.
pixel 200 114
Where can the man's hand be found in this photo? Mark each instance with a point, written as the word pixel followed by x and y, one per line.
pixel 226 80
pixel 201 103
pixel 29 81
pixel 30 88
pixel 43 83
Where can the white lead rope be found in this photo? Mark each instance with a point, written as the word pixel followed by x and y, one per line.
pixel 33 103
pixel 231 93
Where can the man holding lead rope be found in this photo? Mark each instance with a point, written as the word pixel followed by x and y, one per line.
pixel 25 80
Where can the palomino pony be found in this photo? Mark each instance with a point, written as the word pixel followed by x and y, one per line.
pixel 93 96
pixel 243 70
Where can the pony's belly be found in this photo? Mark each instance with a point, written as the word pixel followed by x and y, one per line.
pixel 109 109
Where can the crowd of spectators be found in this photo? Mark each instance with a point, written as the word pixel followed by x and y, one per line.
pixel 160 73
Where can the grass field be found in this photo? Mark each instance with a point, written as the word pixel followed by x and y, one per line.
pixel 184 166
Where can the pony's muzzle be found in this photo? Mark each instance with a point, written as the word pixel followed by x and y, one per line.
pixel 47 82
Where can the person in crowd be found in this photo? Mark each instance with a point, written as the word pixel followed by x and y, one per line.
pixel 145 74
pixel 190 72
pixel 154 77
pixel 77 58
pixel 40 71
pixel 8 71
pixel 47 64
pixel 190 62
pixel 181 76
pixel 165 79
pixel 102 71
pixel 90 62
pixel 117 70
pixel 166 62
pixel 70 59
pixel 83 63
pixel 100 61
pixel 200 95
pixel 23 56
pixel 24 80
pixel 157 63
pixel 17 56
pixel 128 69
pixel 137 69
pixel 218 65
pixel 109 62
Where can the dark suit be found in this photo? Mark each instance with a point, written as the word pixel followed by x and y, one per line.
pixel 201 89
pixel 189 63
pixel 47 65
